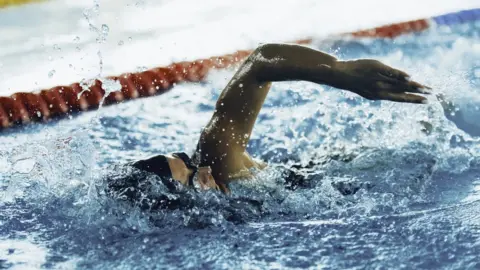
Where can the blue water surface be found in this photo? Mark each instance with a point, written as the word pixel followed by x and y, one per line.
pixel 417 168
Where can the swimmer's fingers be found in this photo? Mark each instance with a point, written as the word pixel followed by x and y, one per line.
pixel 208 185
pixel 395 74
pixel 224 188
pixel 403 97
pixel 394 85
pixel 415 87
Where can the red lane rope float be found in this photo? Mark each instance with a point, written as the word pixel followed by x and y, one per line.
pixel 21 108
pixel 393 30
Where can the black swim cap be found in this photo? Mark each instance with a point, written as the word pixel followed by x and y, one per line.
pixel 156 164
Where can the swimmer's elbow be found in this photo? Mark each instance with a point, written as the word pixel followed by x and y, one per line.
pixel 266 47
pixel 266 54
pixel 265 61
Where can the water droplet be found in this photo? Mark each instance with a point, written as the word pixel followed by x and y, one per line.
pixel 51 73
pixel 102 33
pixel 140 3
pixel 109 86
pixel 56 47
pixel 129 38
pixel 120 43
pixel 105 29
pixel 141 69
pixel 76 39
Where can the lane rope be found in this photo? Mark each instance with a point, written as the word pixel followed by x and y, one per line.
pixel 60 101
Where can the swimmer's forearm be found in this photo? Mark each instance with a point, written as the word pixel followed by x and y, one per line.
pixel 286 62
pixel 368 78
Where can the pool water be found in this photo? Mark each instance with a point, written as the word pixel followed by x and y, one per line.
pixel 416 166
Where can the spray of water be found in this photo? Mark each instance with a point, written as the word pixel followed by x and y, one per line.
pixel 359 164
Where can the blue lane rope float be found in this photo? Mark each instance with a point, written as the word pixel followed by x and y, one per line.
pixel 454 18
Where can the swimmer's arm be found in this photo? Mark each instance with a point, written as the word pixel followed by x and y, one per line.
pixel 224 139
pixel 240 102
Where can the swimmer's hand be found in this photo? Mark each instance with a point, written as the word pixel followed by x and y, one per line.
pixel 374 80
pixel 205 179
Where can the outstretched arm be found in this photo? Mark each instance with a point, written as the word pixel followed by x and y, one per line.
pixel 224 139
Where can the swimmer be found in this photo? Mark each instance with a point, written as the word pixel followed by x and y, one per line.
pixel 221 155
